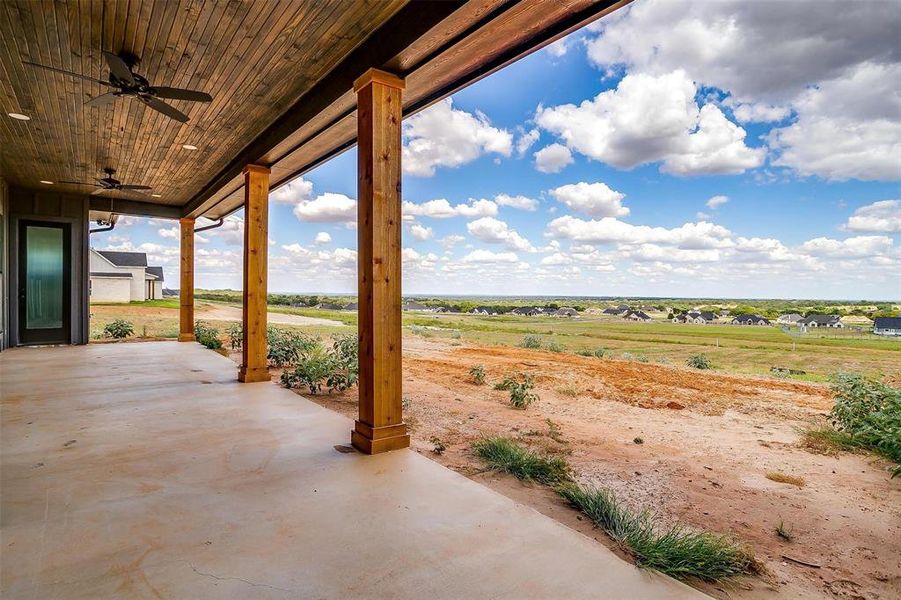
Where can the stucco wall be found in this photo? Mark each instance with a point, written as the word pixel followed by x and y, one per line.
pixel 110 289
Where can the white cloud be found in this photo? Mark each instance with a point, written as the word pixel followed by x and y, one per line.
pixel 322 238
pixel 231 231
pixel 520 202
pixel 853 247
pixel 558 49
pixel 884 216
pixel 553 158
pixel 702 216
pixel 610 230
pixel 442 136
pixel 487 256
pixel 493 231
pixel 592 199
pixel 442 209
pixel 327 208
pixel 420 233
pixel 757 112
pixel 450 241
pixel 525 141
pixel 717 201
pixel 170 232
pixel 649 119
pixel 299 190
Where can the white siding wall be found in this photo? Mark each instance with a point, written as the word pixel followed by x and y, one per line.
pixel 110 289
pixel 158 290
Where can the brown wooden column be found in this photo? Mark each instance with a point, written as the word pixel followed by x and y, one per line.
pixel 380 427
pixel 254 366
pixel 186 286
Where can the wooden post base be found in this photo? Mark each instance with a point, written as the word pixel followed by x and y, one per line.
pixel 253 375
pixel 186 337
pixel 375 440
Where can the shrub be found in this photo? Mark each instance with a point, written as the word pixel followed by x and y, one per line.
pixel 675 549
pixel 520 388
pixel 335 368
pixel 642 358
pixel 506 455
pixel 119 329
pixel 869 413
pixel 584 352
pixel 785 534
pixel 532 342
pixel 478 374
pixel 285 347
pixel 438 446
pixel 600 352
pixel 698 361
pixel 207 335
pixel 235 333
pixel 553 346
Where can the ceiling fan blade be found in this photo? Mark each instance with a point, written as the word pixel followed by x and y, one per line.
pixel 64 72
pixel 136 188
pixel 159 105
pixel 172 93
pixel 101 100
pixel 78 183
pixel 99 190
pixel 118 68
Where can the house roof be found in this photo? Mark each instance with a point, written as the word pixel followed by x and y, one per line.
pixel 887 323
pixel 821 319
pixel 116 275
pixel 124 259
pixel 156 272
pixel 749 317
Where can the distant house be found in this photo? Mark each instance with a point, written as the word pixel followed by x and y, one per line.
pixel 748 319
pixel 789 319
pixel 351 306
pixel 528 311
pixel 887 326
pixel 822 321
pixel 616 310
pixel 636 315
pixel 566 312
pixel 415 306
pixel 483 310
pixel 440 309
pixel 680 318
pixel 123 277
pixel 705 316
pixel 330 306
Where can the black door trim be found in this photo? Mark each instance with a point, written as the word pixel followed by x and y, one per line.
pixel 61 335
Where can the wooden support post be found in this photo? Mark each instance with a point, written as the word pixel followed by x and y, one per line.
pixel 186 286
pixel 254 366
pixel 380 427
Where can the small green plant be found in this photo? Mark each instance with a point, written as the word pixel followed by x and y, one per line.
pixel 478 374
pixel 520 387
pixel 503 454
pixel 318 367
pixel 626 356
pixel 785 534
pixel 119 329
pixel 642 358
pixel 532 342
pixel 285 347
pixel 207 335
pixel 600 352
pixel 406 403
pixel 638 440
pixel 584 352
pixel 676 550
pixel 553 346
pixel 235 333
pixel 438 446
pixel 698 361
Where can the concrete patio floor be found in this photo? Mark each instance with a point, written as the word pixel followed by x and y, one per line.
pixel 144 470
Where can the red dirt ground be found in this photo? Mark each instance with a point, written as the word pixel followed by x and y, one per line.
pixel 708 441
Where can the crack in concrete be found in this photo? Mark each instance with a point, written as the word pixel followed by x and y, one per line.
pixel 251 583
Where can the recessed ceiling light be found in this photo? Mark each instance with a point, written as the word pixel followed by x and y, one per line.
pixel 189 147
pixel 45 182
pixel 156 195
pixel 19 116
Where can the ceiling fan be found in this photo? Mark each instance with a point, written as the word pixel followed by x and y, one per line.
pixel 109 183
pixel 128 83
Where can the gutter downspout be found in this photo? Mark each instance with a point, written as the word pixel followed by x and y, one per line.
pixel 108 227
pixel 220 221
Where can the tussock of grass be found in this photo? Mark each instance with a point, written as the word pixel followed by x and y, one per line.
pixel 506 455
pixel 780 477
pixel 676 550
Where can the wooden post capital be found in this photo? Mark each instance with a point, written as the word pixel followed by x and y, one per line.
pixel 378 76
pixel 256 169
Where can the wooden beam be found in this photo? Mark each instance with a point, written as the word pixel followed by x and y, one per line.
pixel 254 365
pixel 186 286
pixel 380 427
pixel 400 31
pixel 135 208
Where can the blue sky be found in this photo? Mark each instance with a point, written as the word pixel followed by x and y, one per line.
pixel 658 152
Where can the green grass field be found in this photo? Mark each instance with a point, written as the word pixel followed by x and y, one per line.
pixel 739 349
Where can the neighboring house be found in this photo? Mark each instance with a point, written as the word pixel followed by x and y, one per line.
pixel 566 312
pixel 887 326
pixel 615 311
pixel 415 306
pixel 483 310
pixel 330 306
pixel 352 306
pixel 527 311
pixel 822 321
pixel 746 319
pixel 789 319
pixel 123 277
pixel 636 315
pixel 704 317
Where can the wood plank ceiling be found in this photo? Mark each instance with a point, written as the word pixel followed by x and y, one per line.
pixel 255 58
pixel 280 73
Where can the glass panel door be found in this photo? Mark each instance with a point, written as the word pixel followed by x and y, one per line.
pixel 44 283
pixel 44 277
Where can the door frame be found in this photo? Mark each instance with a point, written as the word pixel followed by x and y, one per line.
pixel 63 334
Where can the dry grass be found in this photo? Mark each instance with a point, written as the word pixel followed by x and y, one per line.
pixel 781 477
